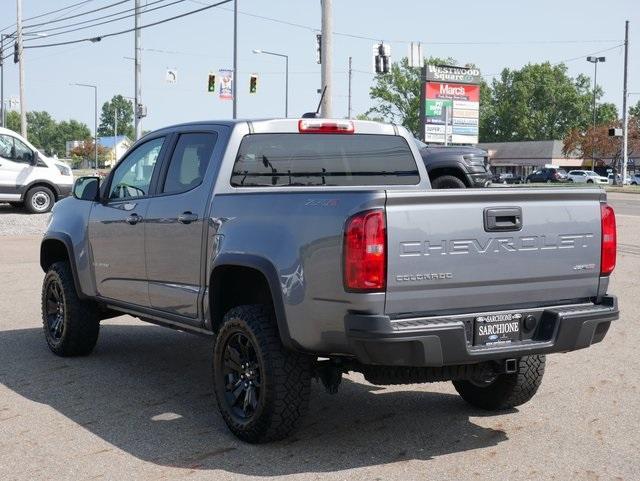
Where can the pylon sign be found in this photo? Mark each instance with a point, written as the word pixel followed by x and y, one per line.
pixel 451 104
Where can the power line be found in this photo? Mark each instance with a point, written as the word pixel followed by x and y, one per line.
pixel 49 13
pixel 572 59
pixel 105 7
pixel 113 34
pixel 61 27
pixel 108 21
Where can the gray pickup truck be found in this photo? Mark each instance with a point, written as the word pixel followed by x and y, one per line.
pixel 311 248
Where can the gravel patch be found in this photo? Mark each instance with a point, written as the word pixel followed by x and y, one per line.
pixel 19 222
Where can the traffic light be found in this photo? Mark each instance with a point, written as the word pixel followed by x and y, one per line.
pixel 253 84
pixel 382 53
pixel 211 84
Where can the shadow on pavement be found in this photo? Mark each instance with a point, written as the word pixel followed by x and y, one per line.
pixel 147 391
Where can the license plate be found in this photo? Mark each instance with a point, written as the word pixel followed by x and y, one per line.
pixel 495 329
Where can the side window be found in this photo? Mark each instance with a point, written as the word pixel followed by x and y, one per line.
pixel 132 177
pixel 23 153
pixel 189 162
pixel 6 147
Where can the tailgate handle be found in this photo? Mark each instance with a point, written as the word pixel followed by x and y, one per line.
pixel 502 219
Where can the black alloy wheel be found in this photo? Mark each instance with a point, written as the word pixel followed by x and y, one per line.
pixel 55 310
pixel 242 376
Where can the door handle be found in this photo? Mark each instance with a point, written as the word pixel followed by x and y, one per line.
pixel 187 218
pixel 133 219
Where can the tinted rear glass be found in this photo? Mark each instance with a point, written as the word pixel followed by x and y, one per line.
pixel 266 160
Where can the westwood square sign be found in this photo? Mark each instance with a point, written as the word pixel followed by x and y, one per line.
pixel 450 104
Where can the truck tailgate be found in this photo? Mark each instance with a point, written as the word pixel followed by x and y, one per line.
pixel 445 256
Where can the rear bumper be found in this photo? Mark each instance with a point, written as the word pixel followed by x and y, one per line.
pixel 443 341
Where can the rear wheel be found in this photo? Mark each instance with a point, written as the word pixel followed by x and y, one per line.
pixel 262 388
pixel 505 391
pixel 39 199
pixel 448 182
pixel 71 325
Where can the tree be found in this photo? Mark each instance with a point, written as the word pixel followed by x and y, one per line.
pixel 634 114
pixel 595 141
pixel 42 131
pixel 69 130
pixel 124 111
pixel 13 121
pixel 48 135
pixel 541 102
pixel 86 151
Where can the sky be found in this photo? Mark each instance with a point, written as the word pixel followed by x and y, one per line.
pixel 492 34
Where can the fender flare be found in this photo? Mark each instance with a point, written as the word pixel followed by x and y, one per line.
pixel 65 239
pixel 268 270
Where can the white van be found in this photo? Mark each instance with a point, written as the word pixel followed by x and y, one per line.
pixel 29 178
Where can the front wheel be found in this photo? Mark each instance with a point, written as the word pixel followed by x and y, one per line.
pixel 447 182
pixel 39 199
pixel 261 387
pixel 505 391
pixel 71 325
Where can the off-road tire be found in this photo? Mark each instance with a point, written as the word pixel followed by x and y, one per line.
pixel 507 390
pixel 81 324
pixel 38 192
pixel 285 376
pixel 448 182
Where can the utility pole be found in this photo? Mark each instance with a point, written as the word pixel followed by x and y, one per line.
pixel 234 84
pixel 625 114
pixel 349 106
pixel 138 73
pixel 2 37
pixel 115 134
pixel 326 57
pixel 23 110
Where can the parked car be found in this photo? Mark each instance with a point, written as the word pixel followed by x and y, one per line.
pixel 507 178
pixel 29 178
pixel 455 167
pixel 547 175
pixel 314 247
pixel 634 179
pixel 586 177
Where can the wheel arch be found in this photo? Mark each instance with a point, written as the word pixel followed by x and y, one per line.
pixel 43 183
pixel 56 247
pixel 439 171
pixel 238 279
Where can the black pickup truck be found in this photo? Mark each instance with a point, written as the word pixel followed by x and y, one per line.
pixel 455 167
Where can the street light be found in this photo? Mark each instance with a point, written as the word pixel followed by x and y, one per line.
pixel 2 38
pixel 595 61
pixel 286 85
pixel 95 131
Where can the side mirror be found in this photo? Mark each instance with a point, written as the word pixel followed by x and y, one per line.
pixel 34 158
pixel 87 188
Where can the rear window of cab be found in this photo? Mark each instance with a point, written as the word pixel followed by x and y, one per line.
pixel 277 160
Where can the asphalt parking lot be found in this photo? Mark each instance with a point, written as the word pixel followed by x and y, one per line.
pixel 141 406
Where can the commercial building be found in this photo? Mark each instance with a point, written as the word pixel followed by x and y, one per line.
pixel 522 158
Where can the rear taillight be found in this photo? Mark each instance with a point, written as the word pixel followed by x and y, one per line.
pixel 609 240
pixel 365 252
